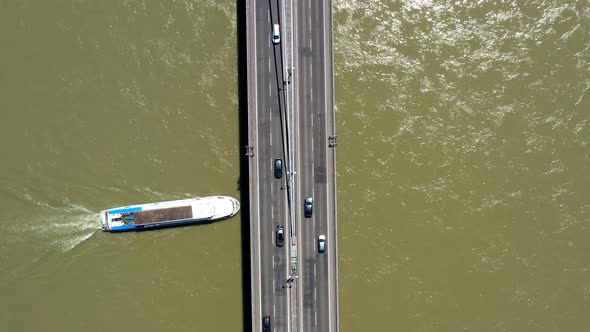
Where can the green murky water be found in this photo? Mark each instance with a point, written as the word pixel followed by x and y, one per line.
pixel 464 200
pixel 107 104
pixel 463 168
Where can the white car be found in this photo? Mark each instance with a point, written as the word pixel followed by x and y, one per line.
pixel 276 34
pixel 321 243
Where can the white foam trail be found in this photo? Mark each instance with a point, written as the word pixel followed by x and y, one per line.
pixel 63 229
pixel 63 224
pixel 70 243
pixel 71 233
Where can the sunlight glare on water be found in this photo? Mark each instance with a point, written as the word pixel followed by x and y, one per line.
pixel 463 169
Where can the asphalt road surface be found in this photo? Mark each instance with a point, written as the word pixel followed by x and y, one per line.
pixel 318 286
pixel 270 145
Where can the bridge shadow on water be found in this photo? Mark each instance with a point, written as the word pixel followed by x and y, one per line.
pixel 243 182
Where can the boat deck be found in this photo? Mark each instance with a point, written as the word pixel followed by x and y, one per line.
pixel 163 215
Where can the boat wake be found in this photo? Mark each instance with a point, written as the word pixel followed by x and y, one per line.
pixel 75 232
pixel 62 230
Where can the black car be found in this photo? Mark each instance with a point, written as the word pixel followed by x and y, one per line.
pixel 280 236
pixel 266 324
pixel 278 168
pixel 308 207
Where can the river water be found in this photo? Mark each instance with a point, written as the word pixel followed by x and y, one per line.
pixel 463 164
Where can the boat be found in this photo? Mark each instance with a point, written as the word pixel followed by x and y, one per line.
pixel 166 214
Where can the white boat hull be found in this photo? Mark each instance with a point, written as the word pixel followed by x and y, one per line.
pixel 170 213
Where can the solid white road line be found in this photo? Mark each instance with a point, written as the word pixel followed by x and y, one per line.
pixel 311 90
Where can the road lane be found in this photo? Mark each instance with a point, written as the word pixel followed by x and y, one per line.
pixel 317 272
pixel 270 146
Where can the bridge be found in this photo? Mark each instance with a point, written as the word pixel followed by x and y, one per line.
pixel 290 116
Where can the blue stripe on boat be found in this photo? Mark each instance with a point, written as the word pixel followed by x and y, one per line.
pixel 122 228
pixel 127 210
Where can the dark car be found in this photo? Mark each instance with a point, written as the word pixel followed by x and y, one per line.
pixel 280 236
pixel 308 207
pixel 266 324
pixel 278 168
pixel 321 243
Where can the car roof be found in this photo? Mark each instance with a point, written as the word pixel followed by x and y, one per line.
pixel 322 237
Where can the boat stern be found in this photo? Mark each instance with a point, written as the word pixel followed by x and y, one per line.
pixel 104 221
